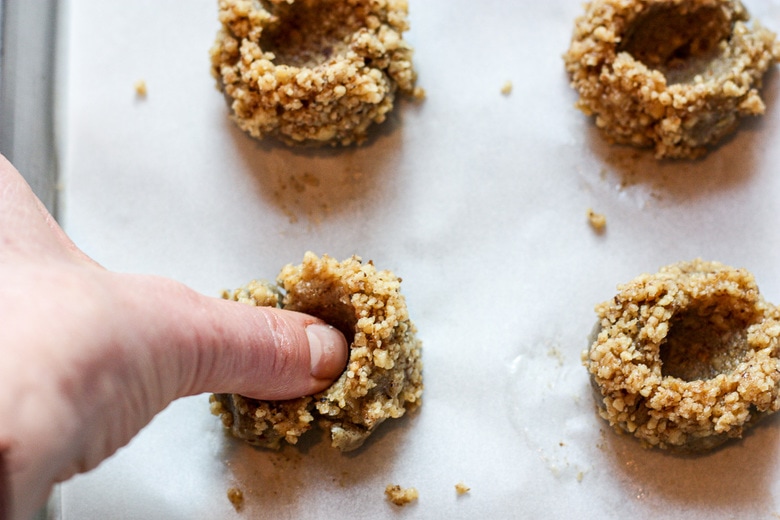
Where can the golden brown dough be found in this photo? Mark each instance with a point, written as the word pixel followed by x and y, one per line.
pixel 675 75
pixel 312 71
pixel 383 378
pixel 686 358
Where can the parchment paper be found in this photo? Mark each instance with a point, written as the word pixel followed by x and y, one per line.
pixel 477 200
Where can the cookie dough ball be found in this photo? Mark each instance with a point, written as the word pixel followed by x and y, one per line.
pixel 675 75
pixel 687 358
pixel 312 71
pixel 383 377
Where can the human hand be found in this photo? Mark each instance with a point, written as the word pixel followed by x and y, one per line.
pixel 88 357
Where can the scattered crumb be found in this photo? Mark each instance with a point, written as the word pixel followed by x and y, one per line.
pixel 597 220
pixel 419 94
pixel 140 88
pixel 236 497
pixel 400 496
pixel 462 488
pixel 507 88
pixel 580 476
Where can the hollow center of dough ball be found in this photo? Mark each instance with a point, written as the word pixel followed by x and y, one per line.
pixel 327 302
pixel 308 33
pixel 680 42
pixel 703 342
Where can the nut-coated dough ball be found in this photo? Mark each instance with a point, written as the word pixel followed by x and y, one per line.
pixel 383 377
pixel 675 75
pixel 686 358
pixel 312 71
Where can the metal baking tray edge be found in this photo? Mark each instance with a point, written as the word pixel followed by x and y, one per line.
pixel 28 35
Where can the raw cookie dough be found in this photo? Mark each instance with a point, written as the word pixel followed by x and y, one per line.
pixel 675 75
pixel 686 358
pixel 312 71
pixel 383 377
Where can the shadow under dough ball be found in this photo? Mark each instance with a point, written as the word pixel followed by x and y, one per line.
pixel 312 71
pixel 687 358
pixel 675 75
pixel 383 377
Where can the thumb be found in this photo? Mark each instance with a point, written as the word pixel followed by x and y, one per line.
pixel 215 345
pixel 163 341
pixel 263 352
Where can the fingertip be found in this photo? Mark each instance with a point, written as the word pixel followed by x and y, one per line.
pixel 328 350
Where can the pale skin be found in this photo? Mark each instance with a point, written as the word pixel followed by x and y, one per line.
pixel 88 357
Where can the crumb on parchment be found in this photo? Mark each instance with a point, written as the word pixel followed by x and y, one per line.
pixel 140 88
pixel 597 221
pixel 506 89
pixel 401 496
pixel 236 497
pixel 461 488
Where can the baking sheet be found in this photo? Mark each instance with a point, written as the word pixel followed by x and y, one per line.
pixel 477 200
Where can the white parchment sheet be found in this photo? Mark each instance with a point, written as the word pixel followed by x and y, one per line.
pixel 478 201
